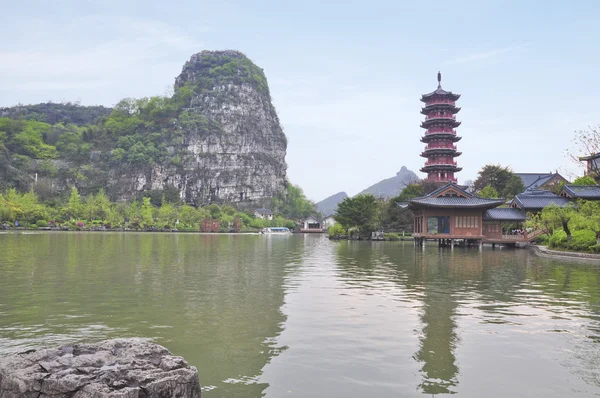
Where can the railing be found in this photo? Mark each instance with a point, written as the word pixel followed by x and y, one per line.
pixel 438 179
pixel 440 147
pixel 440 116
pixel 440 130
pixel 439 162
pixel 438 101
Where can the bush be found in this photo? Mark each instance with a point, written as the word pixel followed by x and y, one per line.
pixel 595 248
pixel 336 230
pixel 558 239
pixel 542 239
pixel 391 236
pixel 582 240
pixel 41 223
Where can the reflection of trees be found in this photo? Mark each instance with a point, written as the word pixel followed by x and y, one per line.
pixel 215 299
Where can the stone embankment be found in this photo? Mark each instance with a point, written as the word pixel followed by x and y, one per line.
pixel 124 368
pixel 543 251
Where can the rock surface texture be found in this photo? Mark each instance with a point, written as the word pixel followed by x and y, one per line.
pixel 233 147
pixel 125 368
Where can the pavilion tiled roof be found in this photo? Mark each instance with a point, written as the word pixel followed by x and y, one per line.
pixel 582 191
pixel 538 199
pixel 468 200
pixel 504 214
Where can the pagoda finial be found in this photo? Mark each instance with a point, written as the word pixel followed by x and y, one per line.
pixel 439 79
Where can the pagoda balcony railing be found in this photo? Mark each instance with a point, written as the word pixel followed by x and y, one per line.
pixel 439 179
pixel 440 147
pixel 440 116
pixel 435 130
pixel 440 101
pixel 440 162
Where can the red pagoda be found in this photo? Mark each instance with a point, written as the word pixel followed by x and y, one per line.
pixel 440 135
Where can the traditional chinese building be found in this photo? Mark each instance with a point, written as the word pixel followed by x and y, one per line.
pixel 450 213
pixel 440 135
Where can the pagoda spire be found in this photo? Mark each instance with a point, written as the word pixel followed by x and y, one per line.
pixel 440 135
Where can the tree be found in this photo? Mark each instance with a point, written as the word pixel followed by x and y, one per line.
pixel 359 211
pixel 292 203
pixel 414 190
pixel 554 217
pixel 488 192
pixel 495 175
pixel 146 213
pixel 514 186
pixel 585 180
pixel 586 143
pixel 75 207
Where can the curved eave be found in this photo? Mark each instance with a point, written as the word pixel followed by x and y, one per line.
pixel 446 152
pixel 489 205
pixel 443 121
pixel 440 167
pixel 440 136
pixel 446 107
pixel 442 94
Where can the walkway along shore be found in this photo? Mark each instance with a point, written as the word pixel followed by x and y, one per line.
pixel 543 251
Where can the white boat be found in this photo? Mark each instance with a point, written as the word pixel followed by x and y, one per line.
pixel 276 231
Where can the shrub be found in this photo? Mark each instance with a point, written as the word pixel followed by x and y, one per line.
pixel 41 223
pixel 582 240
pixel 336 230
pixel 542 239
pixel 392 237
pixel 595 248
pixel 79 224
pixel 558 239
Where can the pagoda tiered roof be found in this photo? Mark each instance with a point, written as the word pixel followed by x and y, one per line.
pixel 440 92
pixel 446 121
pixel 431 107
pixel 446 136
pixel 441 151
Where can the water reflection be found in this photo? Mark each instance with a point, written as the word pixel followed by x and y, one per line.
pixel 214 299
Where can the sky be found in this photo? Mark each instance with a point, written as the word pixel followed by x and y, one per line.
pixel 345 76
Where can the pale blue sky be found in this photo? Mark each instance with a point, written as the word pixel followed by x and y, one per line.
pixel 345 76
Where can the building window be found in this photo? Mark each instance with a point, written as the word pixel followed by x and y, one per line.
pixel 438 225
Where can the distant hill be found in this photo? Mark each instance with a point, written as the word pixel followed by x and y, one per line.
pixel 52 113
pixel 329 205
pixel 391 187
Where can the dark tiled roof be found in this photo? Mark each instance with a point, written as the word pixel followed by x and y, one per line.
pixel 460 188
pixel 536 180
pixel 535 199
pixel 263 211
pixel 583 191
pixel 441 91
pixel 591 157
pixel 454 202
pixel 504 214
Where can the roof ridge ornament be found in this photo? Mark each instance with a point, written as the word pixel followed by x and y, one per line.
pixel 439 76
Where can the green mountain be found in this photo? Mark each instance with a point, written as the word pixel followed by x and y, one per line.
pixel 217 139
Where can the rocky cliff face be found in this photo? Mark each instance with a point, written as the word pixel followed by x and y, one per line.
pixel 232 148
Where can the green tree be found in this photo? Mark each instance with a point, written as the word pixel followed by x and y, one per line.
pixel 75 207
pixel 585 180
pixel 514 186
pixel 495 175
pixel 292 203
pixel 146 213
pixel 360 212
pixel 488 192
pixel 554 217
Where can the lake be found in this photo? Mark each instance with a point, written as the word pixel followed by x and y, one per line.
pixel 301 316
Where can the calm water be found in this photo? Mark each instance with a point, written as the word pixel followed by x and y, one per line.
pixel 301 316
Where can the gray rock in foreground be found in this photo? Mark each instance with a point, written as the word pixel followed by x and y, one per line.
pixel 125 368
